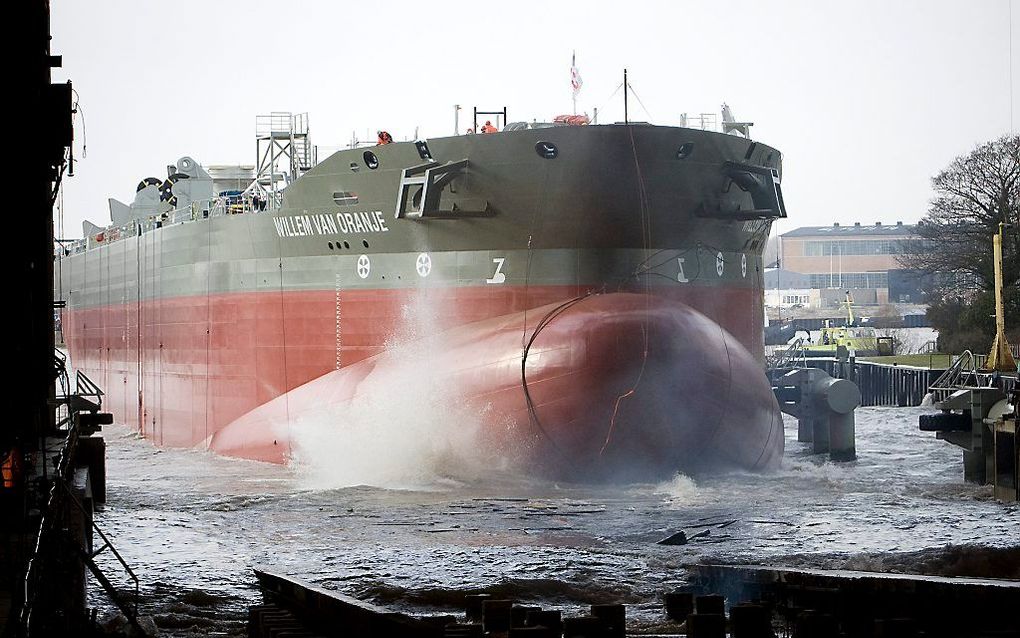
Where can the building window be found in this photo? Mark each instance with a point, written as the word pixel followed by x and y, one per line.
pixel 849 280
pixel 853 247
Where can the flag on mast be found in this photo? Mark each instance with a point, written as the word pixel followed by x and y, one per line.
pixel 575 75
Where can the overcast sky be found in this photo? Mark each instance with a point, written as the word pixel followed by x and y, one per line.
pixel 866 99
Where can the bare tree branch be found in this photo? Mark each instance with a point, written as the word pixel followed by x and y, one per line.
pixel 971 196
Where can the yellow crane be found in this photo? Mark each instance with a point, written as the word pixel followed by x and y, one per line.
pixel 1000 358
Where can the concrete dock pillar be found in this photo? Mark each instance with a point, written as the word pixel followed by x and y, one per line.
pixel 805 430
pixel 820 434
pixel 842 437
pixel 838 398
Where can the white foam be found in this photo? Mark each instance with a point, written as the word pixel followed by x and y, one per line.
pixel 679 490
pixel 405 429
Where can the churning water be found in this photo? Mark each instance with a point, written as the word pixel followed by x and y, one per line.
pixel 193 525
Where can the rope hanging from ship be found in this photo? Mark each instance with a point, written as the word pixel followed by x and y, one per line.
pixel 537 214
pixel 646 239
pixel 539 327
pixel 557 311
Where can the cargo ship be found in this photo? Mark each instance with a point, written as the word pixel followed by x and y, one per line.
pixel 594 292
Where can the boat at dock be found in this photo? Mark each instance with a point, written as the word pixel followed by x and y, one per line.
pixel 593 291
pixel 851 338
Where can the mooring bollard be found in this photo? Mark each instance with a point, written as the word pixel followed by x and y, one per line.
pixel 840 397
pixel 824 409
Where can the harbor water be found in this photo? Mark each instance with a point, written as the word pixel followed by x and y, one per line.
pixel 418 535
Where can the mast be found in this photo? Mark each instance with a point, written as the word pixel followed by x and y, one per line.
pixel 626 120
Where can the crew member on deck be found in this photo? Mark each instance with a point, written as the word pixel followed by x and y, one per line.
pixel 488 127
pixel 385 138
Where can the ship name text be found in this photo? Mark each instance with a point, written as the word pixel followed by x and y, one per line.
pixel 312 224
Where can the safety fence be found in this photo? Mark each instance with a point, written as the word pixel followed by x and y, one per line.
pixel 896 385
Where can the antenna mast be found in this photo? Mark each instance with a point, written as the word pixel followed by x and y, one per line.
pixel 626 119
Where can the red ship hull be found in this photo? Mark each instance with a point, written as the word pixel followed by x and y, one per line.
pixel 201 364
pixel 613 386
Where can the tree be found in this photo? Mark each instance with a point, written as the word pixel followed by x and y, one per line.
pixel 973 195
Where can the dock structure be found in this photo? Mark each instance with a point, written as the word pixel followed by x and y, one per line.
pixel 815 602
pixel 52 461
pixel 978 413
pixel 892 384
pixel 739 601
pixel 824 407
pixel 1006 446
pixel 301 608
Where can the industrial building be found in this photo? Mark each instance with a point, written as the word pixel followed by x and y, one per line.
pixel 818 264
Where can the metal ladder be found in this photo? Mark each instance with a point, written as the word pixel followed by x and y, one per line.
pixel 791 357
pixel 963 372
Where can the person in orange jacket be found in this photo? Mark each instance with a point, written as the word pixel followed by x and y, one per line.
pixel 10 469
pixel 488 127
pixel 385 138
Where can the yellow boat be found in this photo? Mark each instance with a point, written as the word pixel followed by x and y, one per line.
pixel 858 341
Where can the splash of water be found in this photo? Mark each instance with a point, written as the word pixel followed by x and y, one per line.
pixel 405 429
pixel 679 490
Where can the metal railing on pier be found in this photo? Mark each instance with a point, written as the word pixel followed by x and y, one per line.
pixel 884 384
